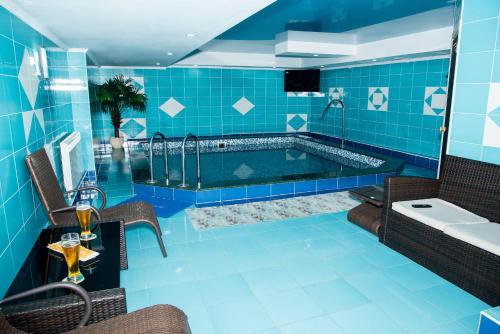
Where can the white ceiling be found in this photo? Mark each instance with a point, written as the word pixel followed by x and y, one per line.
pixel 134 32
pixel 421 35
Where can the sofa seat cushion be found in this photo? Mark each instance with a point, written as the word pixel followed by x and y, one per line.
pixel 485 236
pixel 440 215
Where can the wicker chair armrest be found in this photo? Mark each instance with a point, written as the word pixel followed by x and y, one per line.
pixel 73 208
pixel 81 292
pixel 99 190
pixel 61 314
pixel 405 188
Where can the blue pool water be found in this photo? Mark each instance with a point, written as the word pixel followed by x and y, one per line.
pixel 237 167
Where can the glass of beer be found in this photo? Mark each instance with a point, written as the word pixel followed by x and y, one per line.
pixel 84 213
pixel 70 243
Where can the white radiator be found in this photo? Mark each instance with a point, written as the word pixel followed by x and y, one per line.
pixel 71 160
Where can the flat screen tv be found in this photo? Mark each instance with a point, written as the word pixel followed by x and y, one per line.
pixel 302 80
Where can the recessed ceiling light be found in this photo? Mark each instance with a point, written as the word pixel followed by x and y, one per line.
pixel 190 35
pixel 157 64
pixel 374 59
pixel 169 53
pixel 322 66
pixel 315 55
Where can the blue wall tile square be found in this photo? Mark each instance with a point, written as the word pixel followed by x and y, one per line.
pixel 305 187
pixel 164 193
pixel 187 196
pixel 208 196
pixel 234 193
pixel 348 182
pixel 327 184
pixel 282 189
pixel 259 191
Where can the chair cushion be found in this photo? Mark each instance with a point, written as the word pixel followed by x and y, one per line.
pixel 485 236
pixel 440 215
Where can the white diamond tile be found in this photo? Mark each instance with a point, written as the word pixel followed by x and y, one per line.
pixel 28 78
pixel 243 106
pixel 172 107
pixel 27 120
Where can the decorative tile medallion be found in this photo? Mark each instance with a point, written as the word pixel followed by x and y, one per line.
pixel 435 101
pixel 243 106
pixel 336 93
pixel 491 135
pixel 251 213
pixel 139 83
pixel 172 107
pixel 134 128
pixel 296 122
pixel 378 98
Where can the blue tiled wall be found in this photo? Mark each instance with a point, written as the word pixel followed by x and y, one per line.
pixel 475 121
pixel 68 72
pixel 207 98
pixel 397 106
pixel 31 116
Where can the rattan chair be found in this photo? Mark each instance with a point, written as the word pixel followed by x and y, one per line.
pixel 62 214
pixel 156 319
pixel 470 184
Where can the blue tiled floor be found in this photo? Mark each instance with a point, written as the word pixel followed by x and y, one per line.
pixel 312 275
pixel 260 279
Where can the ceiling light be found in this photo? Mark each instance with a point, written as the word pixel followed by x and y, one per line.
pixel 169 53
pixel 157 64
pixel 315 55
pixel 374 59
pixel 190 35
pixel 322 66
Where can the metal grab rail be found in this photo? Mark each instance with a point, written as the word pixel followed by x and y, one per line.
pixel 165 157
pixel 338 101
pixel 198 173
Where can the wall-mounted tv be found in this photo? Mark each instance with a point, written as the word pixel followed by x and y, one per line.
pixel 302 80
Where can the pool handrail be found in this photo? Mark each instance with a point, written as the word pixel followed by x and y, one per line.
pixel 198 173
pixel 165 157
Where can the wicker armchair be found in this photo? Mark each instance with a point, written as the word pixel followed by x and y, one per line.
pixel 156 319
pixel 472 185
pixel 60 213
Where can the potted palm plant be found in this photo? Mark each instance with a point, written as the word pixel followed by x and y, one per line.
pixel 116 95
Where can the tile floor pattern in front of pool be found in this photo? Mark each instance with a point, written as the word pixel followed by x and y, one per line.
pixel 318 274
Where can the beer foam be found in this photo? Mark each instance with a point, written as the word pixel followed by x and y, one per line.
pixel 83 207
pixel 69 243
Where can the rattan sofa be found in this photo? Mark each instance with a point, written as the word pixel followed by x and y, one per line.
pixel 470 184
pixel 82 317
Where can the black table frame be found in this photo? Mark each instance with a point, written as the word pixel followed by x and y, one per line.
pixel 106 302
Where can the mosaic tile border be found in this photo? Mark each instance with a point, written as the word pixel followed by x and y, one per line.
pixel 416 160
pixel 264 192
pixel 303 142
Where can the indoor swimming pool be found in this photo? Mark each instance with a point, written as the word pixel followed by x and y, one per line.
pixel 252 160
